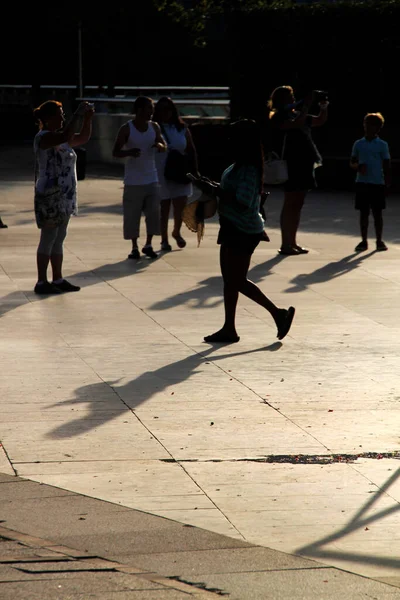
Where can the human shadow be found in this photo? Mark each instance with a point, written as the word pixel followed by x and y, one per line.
pixel 101 274
pixel 208 293
pixel 328 272
pixel 360 521
pixel 129 396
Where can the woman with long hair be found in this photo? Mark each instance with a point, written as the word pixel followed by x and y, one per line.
pixel 55 161
pixel 294 123
pixel 241 228
pixel 177 137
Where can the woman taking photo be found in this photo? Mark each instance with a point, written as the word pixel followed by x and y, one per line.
pixel 177 137
pixel 56 168
pixel 302 156
pixel 241 229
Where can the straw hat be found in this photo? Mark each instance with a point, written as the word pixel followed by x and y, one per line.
pixel 196 211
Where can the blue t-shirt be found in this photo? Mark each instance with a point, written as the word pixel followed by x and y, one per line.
pixel 243 208
pixel 371 153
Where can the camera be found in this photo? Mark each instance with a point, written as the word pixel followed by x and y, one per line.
pixel 320 96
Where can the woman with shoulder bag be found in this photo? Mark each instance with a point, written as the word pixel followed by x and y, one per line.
pixel 294 122
pixel 175 187
pixel 55 186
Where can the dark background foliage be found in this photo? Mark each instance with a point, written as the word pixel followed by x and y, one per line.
pixel 351 49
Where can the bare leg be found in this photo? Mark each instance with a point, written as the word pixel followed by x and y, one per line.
pixel 378 222
pixel 134 243
pixel 364 217
pixel 231 294
pixel 290 217
pixel 234 269
pixel 165 206
pixel 178 204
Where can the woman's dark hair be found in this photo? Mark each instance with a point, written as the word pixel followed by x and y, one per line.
pixel 48 109
pixel 167 102
pixel 278 98
pixel 246 147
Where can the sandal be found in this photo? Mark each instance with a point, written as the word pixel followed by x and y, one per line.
pixel 301 250
pixel 288 251
pixel 181 243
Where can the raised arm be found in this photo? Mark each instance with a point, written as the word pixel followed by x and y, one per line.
pixel 320 119
pixel 56 138
pixel 84 135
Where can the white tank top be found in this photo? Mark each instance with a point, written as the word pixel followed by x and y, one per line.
pixel 141 170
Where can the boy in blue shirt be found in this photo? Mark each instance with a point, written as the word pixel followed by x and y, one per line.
pixel 370 157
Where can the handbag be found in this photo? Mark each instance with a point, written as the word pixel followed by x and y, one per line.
pixel 275 168
pixel 176 165
pixel 50 209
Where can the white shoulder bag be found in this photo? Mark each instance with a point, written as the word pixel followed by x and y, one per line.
pixel 275 168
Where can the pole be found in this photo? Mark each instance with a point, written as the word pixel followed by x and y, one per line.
pixel 80 69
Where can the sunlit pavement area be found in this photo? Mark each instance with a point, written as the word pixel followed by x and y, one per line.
pixel 112 393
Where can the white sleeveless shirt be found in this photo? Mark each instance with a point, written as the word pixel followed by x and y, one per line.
pixel 141 170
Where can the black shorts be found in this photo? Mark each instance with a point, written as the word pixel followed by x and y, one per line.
pixel 236 240
pixel 370 196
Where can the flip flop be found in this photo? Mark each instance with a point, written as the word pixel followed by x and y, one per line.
pixel 289 251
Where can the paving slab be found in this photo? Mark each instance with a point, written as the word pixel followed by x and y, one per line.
pixel 111 392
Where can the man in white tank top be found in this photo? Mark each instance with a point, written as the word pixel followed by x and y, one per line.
pixel 137 141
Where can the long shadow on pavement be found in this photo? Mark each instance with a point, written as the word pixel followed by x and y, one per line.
pixel 359 521
pixel 101 274
pixel 208 293
pixel 328 272
pixel 135 392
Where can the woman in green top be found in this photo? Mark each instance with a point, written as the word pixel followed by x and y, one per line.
pixel 241 228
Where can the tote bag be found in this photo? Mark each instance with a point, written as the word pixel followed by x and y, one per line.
pixel 275 168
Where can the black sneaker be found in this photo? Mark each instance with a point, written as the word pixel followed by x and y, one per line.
pixel 135 254
pixel 381 246
pixel 284 321
pixel 361 247
pixel 148 251
pixel 165 247
pixel 66 286
pixel 46 288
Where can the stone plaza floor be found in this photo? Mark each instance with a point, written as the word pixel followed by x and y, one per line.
pixel 112 393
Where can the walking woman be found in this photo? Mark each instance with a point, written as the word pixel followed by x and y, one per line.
pixel 301 154
pixel 177 137
pixel 56 164
pixel 241 229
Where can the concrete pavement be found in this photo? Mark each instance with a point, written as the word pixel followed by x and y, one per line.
pixel 111 394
